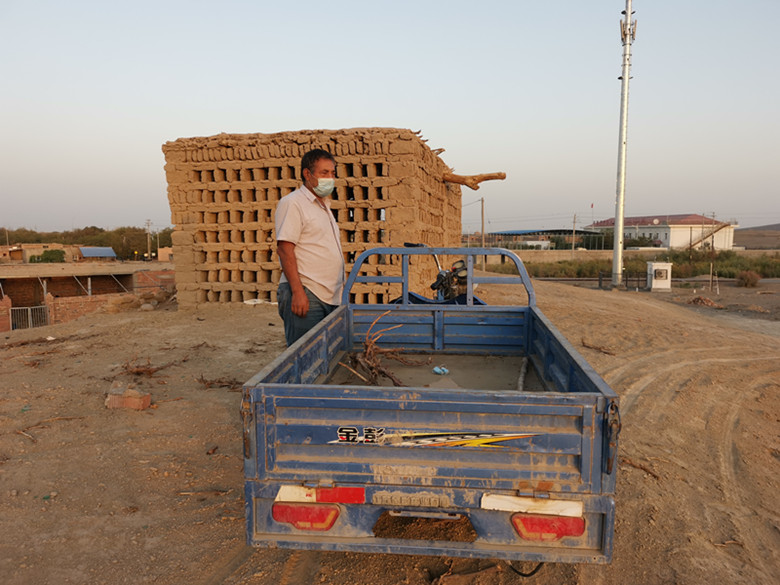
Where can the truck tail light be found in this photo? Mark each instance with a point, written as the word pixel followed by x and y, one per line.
pixel 341 495
pixel 319 517
pixel 321 495
pixel 541 527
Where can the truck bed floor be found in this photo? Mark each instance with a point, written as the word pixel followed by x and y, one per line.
pixel 464 371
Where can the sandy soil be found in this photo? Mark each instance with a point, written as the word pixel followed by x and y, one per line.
pixel 92 495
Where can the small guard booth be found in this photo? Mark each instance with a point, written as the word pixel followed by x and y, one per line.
pixel 659 276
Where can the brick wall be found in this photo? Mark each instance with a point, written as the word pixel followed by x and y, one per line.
pixel 223 192
pixel 64 309
pixel 153 280
pixel 5 313
pixel 28 292
pixel 25 292
pixel 100 285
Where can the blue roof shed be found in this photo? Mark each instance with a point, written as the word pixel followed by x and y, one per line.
pixel 97 252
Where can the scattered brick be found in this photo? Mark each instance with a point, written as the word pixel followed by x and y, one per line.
pixel 122 395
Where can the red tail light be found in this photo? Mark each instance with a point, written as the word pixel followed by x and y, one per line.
pixel 318 517
pixel 341 495
pixel 547 528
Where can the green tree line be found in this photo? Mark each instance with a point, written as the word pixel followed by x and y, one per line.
pixel 129 243
pixel 603 241
pixel 686 264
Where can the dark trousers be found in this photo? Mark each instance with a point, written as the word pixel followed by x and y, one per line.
pixel 294 326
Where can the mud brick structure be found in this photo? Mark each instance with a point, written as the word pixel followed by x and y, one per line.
pixel 223 191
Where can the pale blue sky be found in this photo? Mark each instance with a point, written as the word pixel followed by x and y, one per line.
pixel 91 90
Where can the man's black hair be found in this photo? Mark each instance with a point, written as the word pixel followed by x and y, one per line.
pixel 310 159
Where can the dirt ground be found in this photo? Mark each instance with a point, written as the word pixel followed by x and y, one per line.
pixel 96 495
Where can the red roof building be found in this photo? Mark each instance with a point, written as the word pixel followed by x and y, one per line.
pixel 685 230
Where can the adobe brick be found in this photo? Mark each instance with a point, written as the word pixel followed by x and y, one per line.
pixel 121 396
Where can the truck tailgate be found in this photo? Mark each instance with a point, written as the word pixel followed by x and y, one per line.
pixel 427 437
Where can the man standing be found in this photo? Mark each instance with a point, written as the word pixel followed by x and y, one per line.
pixel 309 248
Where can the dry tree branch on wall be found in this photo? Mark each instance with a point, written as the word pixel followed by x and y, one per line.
pixel 472 181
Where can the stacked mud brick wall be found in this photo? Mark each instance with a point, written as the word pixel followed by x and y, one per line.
pixel 223 191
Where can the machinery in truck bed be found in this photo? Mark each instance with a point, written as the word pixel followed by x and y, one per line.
pixel 508 451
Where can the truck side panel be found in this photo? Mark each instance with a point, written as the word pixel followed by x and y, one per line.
pixel 560 364
pixel 456 329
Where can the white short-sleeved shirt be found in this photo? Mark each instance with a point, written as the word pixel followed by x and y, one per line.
pixel 302 221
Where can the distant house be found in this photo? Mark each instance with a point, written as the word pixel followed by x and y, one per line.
pixel 679 231
pixel 24 253
pixel 9 254
pixel 165 254
pixel 96 254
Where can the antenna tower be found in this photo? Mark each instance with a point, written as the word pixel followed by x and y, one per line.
pixel 627 36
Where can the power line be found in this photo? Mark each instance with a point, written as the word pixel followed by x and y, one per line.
pixel 472 203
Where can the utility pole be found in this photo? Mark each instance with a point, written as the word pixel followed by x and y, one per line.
pixel 148 239
pixel 573 233
pixel 712 235
pixel 482 201
pixel 627 36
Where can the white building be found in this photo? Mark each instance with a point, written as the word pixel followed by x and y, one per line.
pixel 675 231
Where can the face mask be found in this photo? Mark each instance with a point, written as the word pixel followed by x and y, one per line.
pixel 324 187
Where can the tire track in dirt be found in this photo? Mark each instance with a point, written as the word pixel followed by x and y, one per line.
pixel 301 568
pixel 716 388
pixel 677 374
pixel 633 391
pixel 630 361
pixel 258 566
pixel 728 458
pixel 238 558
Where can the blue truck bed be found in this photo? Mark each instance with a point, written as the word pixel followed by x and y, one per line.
pixel 532 473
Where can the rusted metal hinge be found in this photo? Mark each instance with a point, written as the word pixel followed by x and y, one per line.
pixel 612 431
pixel 247 419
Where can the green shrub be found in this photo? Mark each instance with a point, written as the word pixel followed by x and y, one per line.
pixel 53 256
pixel 686 264
pixel 48 256
pixel 748 278
pixel 507 268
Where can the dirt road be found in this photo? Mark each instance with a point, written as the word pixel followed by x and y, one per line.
pixel 92 495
